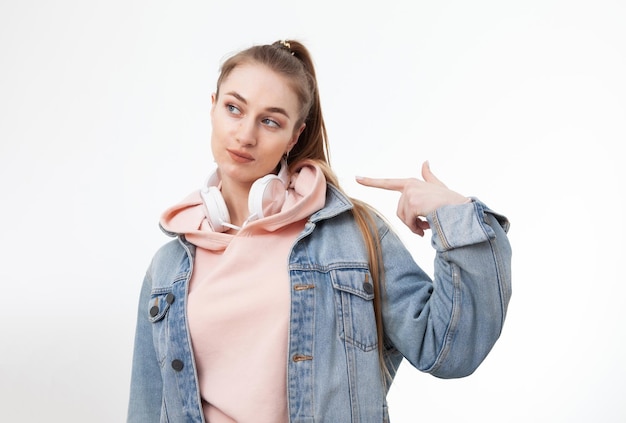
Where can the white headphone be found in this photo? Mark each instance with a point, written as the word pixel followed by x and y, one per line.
pixel 267 196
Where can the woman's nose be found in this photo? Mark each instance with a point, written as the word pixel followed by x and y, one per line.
pixel 247 132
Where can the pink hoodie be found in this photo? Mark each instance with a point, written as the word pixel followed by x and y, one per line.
pixel 239 302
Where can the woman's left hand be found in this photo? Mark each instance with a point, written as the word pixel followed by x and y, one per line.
pixel 418 198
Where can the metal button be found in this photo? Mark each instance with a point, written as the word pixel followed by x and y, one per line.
pixel 154 310
pixel 169 298
pixel 368 288
pixel 177 365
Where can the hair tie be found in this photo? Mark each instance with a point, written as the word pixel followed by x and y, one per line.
pixel 286 44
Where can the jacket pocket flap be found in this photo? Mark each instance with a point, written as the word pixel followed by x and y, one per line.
pixel 354 281
pixel 160 302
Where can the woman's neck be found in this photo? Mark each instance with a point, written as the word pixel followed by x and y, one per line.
pixel 236 199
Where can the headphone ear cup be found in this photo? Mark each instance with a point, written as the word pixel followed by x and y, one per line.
pixel 267 196
pixel 216 210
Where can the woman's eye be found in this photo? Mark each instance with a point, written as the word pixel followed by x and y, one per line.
pixel 233 109
pixel 270 122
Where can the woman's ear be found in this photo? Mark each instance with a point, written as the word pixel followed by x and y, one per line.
pixel 213 102
pixel 296 135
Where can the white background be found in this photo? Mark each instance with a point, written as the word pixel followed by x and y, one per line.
pixel 104 123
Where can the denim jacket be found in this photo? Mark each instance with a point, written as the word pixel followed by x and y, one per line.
pixel 444 327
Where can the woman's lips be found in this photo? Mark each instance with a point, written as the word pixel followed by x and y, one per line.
pixel 240 157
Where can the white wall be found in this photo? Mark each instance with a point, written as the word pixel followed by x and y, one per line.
pixel 104 123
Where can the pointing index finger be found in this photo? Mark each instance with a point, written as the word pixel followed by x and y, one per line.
pixel 393 184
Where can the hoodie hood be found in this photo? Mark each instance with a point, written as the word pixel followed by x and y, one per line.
pixel 305 195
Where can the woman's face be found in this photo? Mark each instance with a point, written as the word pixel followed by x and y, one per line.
pixel 253 122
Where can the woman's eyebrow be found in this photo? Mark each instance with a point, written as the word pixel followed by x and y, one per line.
pixel 237 96
pixel 269 109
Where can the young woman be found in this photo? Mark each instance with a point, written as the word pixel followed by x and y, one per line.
pixel 281 299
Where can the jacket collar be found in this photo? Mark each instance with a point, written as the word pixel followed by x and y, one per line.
pixel 336 203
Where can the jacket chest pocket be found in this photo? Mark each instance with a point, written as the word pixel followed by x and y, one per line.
pixel 354 301
pixel 158 310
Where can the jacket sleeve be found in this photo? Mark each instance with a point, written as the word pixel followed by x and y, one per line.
pixel 448 325
pixel 146 384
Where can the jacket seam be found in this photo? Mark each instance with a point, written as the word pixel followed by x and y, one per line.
pixel 454 320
